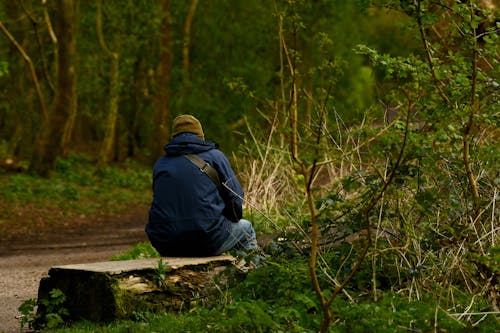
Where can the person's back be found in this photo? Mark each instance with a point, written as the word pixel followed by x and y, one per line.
pixel 189 216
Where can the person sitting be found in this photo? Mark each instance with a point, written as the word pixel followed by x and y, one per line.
pixel 190 214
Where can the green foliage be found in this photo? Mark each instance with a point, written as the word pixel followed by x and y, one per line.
pixel 418 164
pixel 235 55
pixel 393 313
pixel 76 177
pixel 129 178
pixel 292 304
pixel 28 312
pixel 141 250
pixel 248 317
pixel 490 260
pixel 54 312
pixel 76 168
pixel 161 272
pixel 226 45
pixel 78 189
pixel 26 188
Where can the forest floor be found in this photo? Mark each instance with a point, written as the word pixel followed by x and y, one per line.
pixel 26 258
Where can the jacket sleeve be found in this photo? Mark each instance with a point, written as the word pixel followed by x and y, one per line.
pixel 232 192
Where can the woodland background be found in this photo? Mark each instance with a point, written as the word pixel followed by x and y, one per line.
pixel 111 76
pixel 365 134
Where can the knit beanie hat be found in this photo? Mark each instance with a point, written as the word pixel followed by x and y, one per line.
pixel 187 123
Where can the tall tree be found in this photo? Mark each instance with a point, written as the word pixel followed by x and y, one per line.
pixel 50 141
pixel 70 123
pixel 108 143
pixel 162 82
pixel 187 43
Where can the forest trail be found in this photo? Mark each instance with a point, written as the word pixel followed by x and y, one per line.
pixel 24 262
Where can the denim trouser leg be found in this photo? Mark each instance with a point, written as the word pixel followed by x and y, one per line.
pixel 241 235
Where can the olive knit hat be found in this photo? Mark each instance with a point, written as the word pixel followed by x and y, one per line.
pixel 187 123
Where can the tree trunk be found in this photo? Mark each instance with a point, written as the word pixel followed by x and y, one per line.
pixel 50 142
pixel 107 152
pixel 187 43
pixel 163 75
pixel 73 107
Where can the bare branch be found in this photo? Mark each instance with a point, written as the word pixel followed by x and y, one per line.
pixel 34 77
pixel 438 83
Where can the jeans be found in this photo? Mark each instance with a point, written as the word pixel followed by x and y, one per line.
pixel 241 235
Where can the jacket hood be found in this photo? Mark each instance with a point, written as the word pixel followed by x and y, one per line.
pixel 188 143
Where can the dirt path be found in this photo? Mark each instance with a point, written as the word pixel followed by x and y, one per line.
pixel 23 262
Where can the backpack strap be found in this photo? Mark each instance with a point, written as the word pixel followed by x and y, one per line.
pixel 206 169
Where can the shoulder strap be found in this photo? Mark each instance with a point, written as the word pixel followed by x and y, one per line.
pixel 206 169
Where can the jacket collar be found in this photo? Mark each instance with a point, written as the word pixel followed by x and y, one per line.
pixel 188 143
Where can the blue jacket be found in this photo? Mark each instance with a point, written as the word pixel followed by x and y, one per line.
pixel 188 215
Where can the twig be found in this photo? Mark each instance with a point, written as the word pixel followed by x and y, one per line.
pixel 430 62
pixel 474 313
pixel 470 123
pixel 34 23
pixel 34 77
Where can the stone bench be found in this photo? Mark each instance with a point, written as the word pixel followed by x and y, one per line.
pixel 105 291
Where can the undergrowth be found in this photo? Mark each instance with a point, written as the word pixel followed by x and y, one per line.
pixel 78 190
pixel 77 178
pixel 249 306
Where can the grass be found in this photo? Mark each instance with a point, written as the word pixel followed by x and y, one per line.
pixel 78 190
pixel 140 250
